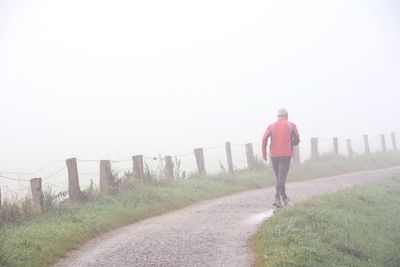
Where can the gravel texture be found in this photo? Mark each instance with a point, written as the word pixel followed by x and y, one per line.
pixel 210 233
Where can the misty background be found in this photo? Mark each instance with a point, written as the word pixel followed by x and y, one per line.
pixel 110 79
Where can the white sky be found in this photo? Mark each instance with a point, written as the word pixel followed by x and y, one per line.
pixel 100 78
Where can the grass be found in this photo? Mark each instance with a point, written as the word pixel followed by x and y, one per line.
pixel 355 227
pixel 39 240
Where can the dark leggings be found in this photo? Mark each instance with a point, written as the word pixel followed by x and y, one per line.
pixel 281 167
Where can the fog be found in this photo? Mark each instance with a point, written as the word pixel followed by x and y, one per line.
pixel 109 79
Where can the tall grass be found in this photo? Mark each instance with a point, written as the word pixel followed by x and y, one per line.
pixel 31 239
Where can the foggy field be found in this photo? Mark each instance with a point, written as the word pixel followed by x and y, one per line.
pixel 35 240
pixel 156 77
pixel 355 227
pixel 99 97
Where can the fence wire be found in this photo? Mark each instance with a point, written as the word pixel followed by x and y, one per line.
pixel 55 176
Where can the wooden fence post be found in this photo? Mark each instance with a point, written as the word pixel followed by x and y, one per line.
pixel 251 161
pixel 349 148
pixel 314 148
pixel 169 167
pixel 198 153
pixel 37 193
pixel 74 190
pixel 229 156
pixel 106 177
pixel 138 169
pixel 394 144
pixel 296 152
pixel 383 142
pixel 366 144
pixel 335 145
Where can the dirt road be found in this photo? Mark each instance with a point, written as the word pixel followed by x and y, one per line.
pixel 211 233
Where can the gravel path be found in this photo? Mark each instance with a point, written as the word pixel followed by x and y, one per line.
pixel 210 233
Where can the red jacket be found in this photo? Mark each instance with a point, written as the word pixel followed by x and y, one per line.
pixel 283 135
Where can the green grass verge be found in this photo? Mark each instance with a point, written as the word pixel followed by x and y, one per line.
pixel 40 240
pixel 355 227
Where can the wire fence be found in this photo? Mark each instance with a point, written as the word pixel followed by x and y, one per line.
pixel 16 184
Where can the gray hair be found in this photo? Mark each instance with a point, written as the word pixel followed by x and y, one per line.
pixel 283 112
